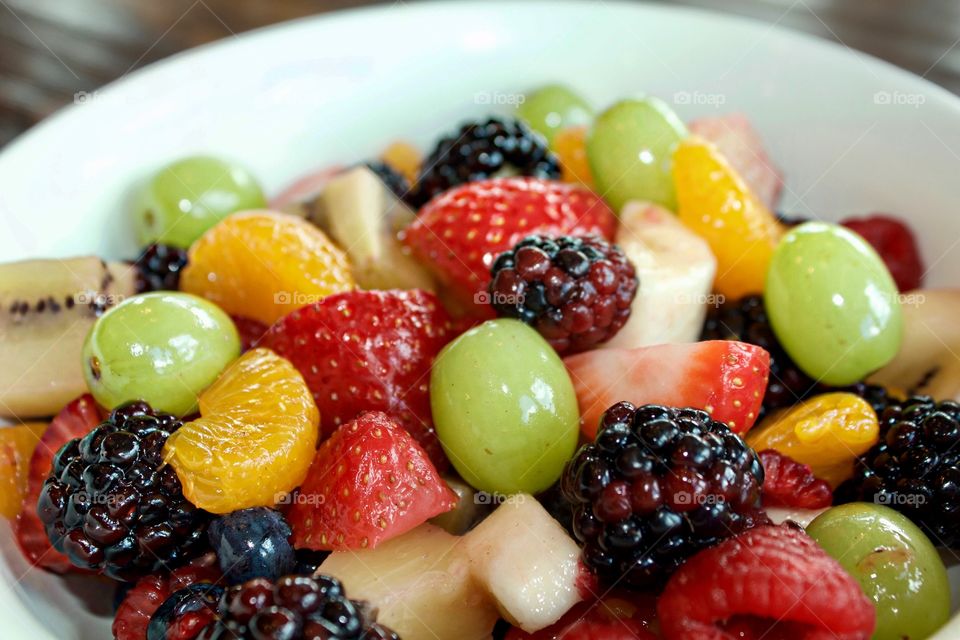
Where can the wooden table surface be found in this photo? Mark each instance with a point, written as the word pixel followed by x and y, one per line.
pixel 52 49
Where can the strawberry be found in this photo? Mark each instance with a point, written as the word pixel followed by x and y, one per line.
pixel 369 481
pixel 740 144
pixel 723 377
pixel 368 351
pixel 612 618
pixel 74 421
pixel 459 233
pixel 895 243
pixel 250 331
pixel 788 483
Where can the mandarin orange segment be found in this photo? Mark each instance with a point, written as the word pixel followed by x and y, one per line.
pixel 16 447
pixel 255 438
pixel 263 265
pixel 716 203
pixel 826 432
pixel 404 158
pixel 570 146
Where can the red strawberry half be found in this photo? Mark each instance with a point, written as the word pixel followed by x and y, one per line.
pixel 370 481
pixel 74 421
pixel 459 233
pixel 368 351
pixel 723 377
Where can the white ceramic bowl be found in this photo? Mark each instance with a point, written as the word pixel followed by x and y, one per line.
pixel 853 134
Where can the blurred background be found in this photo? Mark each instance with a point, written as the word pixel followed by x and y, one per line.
pixel 54 50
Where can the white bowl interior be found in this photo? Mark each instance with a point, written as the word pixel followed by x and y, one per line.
pixel 852 134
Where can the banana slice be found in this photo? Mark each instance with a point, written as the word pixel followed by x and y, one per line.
pixel 675 267
pixel 46 309
pixel 928 362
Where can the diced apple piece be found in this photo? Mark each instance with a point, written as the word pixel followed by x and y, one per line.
pixel 421 584
pixel 527 562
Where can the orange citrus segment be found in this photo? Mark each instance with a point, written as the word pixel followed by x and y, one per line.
pixel 570 146
pixel 16 447
pixel 404 158
pixel 716 203
pixel 263 265
pixel 255 438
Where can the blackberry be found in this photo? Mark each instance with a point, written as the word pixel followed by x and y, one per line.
pixel 746 320
pixel 390 177
pixel 914 468
pixel 481 150
pixel 159 268
pixel 111 505
pixel 576 292
pixel 878 397
pixel 657 485
pixel 292 608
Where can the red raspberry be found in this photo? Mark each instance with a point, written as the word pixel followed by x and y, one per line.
pixel 778 573
pixel 250 331
pixel 895 243
pixel 788 483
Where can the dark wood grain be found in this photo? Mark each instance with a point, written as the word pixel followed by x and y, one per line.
pixel 52 49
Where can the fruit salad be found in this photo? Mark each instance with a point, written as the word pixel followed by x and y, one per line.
pixel 566 372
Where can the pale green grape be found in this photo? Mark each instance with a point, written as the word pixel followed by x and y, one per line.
pixel 504 408
pixel 191 195
pixel 164 348
pixel 553 108
pixel 630 149
pixel 832 303
pixel 895 564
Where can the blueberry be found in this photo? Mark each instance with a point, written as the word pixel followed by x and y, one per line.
pixel 252 543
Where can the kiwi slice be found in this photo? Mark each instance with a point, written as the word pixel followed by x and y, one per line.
pixel 46 309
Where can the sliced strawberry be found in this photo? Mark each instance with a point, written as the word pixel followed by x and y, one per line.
pixel 133 615
pixel 788 483
pixel 250 330
pixel 895 243
pixel 369 481
pixel 723 377
pixel 368 351
pixel 771 573
pixel 740 144
pixel 459 233
pixel 612 618
pixel 75 420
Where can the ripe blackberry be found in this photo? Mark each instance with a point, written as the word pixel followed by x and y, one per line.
pixel 111 505
pixel 391 178
pixel 914 468
pixel 292 608
pixel 159 267
pixel 656 486
pixel 575 291
pixel 746 320
pixel 481 150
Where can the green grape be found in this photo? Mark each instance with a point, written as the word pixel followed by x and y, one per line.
pixel 188 197
pixel 630 150
pixel 552 108
pixel 832 303
pixel 895 564
pixel 504 408
pixel 162 347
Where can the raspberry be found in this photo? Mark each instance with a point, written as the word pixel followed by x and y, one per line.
pixel 159 267
pixel 656 486
pixel 914 467
pixel 895 243
pixel 111 505
pixel 777 573
pixel 788 483
pixel 575 291
pixel 481 150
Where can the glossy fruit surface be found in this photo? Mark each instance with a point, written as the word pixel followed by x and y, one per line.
pixel 252 543
pixel 186 198
pixel 254 440
pixel 163 348
pixel 570 145
pixel 263 265
pixel 826 432
pixel 832 303
pixel 715 202
pixel 404 158
pixel 506 428
pixel 894 562
pixel 17 443
pixel 552 108
pixel 894 240
pixel 791 484
pixel 630 148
